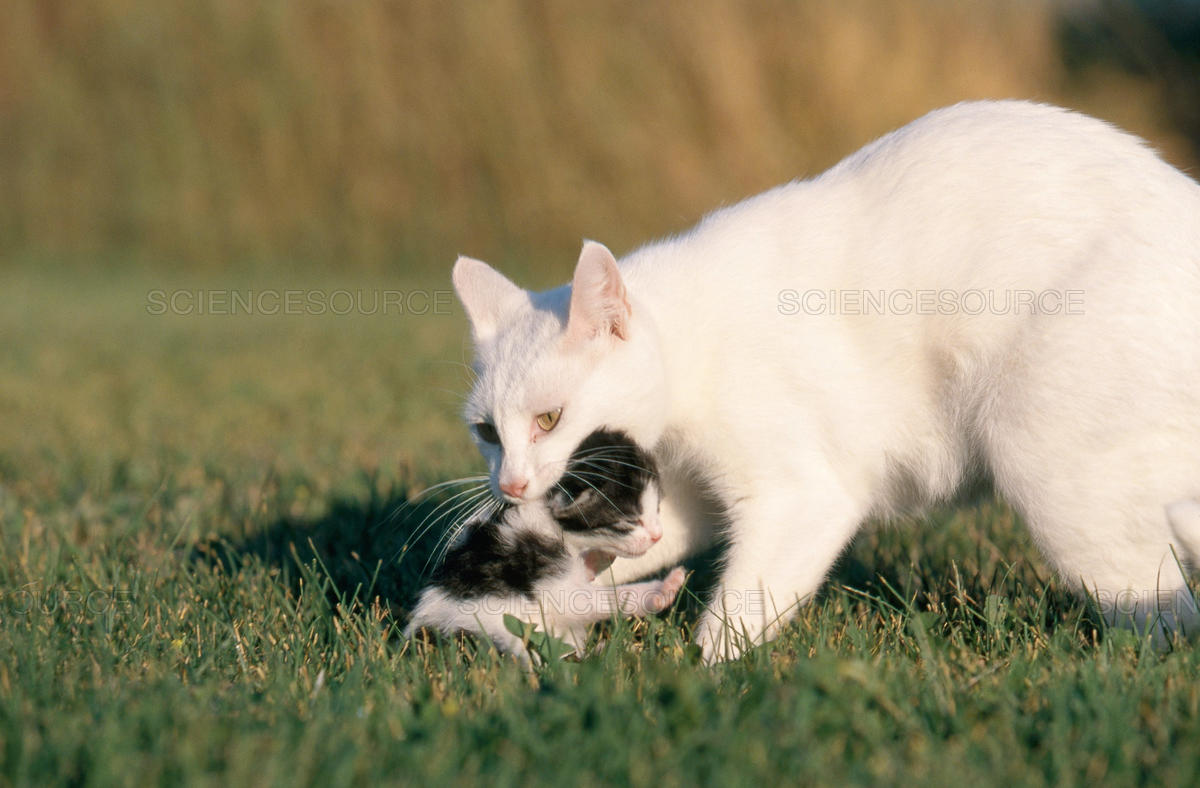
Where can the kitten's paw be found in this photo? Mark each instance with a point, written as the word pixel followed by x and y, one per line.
pixel 663 596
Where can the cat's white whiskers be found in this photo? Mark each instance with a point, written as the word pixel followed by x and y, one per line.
pixel 592 457
pixel 454 503
pixel 459 396
pixel 594 487
pixel 482 510
pixel 582 513
pixel 472 376
pixel 595 474
pixel 586 458
pixel 425 493
pixel 441 485
pixel 453 514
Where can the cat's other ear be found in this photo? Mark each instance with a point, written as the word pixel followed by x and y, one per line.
pixel 486 294
pixel 599 304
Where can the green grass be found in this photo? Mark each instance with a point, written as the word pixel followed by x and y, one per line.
pixel 200 583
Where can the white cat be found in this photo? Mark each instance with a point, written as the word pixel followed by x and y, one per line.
pixel 998 287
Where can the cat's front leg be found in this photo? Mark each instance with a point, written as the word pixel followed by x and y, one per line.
pixel 784 539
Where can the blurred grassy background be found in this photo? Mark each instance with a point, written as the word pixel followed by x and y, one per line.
pixel 237 477
pixel 217 135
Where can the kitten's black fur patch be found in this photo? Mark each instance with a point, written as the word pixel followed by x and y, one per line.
pixel 616 471
pixel 484 564
pixel 602 487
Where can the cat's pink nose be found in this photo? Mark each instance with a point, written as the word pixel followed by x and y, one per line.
pixel 514 487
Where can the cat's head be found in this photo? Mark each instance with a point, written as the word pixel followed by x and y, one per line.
pixel 553 367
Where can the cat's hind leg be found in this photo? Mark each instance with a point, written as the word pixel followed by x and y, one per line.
pixel 1099 452
pixel 1116 543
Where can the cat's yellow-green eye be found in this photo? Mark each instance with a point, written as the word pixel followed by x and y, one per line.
pixel 549 419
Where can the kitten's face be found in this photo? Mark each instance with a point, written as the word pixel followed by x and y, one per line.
pixel 607 501
pixel 553 367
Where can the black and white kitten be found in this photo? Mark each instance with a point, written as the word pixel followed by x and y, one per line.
pixel 539 561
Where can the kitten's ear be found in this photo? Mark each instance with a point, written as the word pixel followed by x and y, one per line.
pixel 599 304
pixel 486 295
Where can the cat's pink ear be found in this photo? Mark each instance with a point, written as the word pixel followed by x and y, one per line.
pixel 487 296
pixel 599 304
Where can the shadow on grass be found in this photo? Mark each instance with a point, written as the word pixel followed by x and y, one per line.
pixel 377 548
pixel 958 561
pixel 381 548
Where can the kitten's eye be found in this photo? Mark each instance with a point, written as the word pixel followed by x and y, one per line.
pixel 549 419
pixel 487 432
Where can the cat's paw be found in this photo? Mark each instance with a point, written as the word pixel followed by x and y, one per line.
pixel 719 640
pixel 664 596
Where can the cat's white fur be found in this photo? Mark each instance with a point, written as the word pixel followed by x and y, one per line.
pixel 803 423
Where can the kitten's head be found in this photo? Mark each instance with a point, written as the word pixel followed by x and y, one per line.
pixel 553 367
pixel 607 501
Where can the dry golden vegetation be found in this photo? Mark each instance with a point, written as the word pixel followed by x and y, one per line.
pixel 211 134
